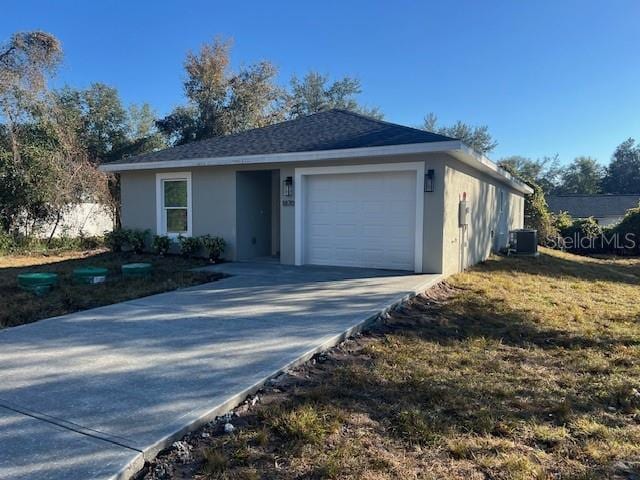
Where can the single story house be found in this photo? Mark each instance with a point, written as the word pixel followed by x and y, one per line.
pixel 607 209
pixel 332 188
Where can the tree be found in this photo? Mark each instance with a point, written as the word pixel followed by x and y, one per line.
pixel 26 61
pixel 623 173
pixel 584 175
pixel 98 116
pixel 222 102
pixel 314 93
pixel 477 137
pixel 544 172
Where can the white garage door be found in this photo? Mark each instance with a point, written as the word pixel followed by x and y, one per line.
pixel 360 220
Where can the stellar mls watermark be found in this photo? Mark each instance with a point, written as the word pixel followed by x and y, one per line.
pixel 606 241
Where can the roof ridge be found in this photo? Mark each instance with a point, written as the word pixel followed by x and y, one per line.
pixel 385 122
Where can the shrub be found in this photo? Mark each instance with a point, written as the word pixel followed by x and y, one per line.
pixel 189 246
pixel 115 239
pixel 137 239
pixel 562 222
pixel 121 238
pixel 629 228
pixel 161 244
pixel 584 227
pixel 6 243
pixel 213 246
pixel 538 217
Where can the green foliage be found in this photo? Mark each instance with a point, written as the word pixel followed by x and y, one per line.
pixel 584 175
pixel 6 243
pixel 562 222
pixel 536 210
pixel 161 244
pixel 116 239
pixel 315 94
pixel 477 138
pixel 629 227
pixel 213 246
pixel 221 101
pixel 545 172
pixel 121 239
pixel 623 173
pixel 189 246
pixel 583 228
pixel 20 245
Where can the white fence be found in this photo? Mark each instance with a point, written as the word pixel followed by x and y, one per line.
pixel 85 219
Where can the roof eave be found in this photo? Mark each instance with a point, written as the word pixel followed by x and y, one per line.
pixel 454 147
pixel 480 162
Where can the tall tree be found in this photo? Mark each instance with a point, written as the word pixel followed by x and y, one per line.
pixel 623 173
pixel 584 175
pixel 477 137
pixel 100 118
pixel 27 59
pixel 107 129
pixel 544 172
pixel 315 93
pixel 220 101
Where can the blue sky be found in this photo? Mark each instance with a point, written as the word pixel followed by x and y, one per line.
pixel 547 77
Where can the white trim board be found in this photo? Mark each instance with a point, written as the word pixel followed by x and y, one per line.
pixel 298 187
pixel 160 230
pixel 454 147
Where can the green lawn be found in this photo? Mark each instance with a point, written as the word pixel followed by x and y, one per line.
pixel 520 368
pixel 20 307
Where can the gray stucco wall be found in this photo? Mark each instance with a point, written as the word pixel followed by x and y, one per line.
pixel 464 247
pixel 215 196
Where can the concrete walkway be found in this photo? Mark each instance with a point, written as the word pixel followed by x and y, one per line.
pixel 92 394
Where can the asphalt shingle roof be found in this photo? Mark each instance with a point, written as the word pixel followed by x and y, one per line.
pixel 599 206
pixel 330 130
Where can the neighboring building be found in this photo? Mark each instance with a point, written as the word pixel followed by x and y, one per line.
pixel 606 209
pixel 333 188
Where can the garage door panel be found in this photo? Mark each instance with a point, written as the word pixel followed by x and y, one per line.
pixel 363 220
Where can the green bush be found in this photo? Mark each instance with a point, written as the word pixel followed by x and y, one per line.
pixel 562 222
pixel 116 239
pixel 584 227
pixel 6 243
pixel 125 239
pixel 137 239
pixel 629 228
pixel 21 244
pixel 538 216
pixel 189 246
pixel 213 246
pixel 161 244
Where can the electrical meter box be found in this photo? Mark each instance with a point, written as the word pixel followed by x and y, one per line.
pixel 463 213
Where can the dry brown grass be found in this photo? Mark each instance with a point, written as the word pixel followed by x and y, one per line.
pixel 19 307
pixel 517 369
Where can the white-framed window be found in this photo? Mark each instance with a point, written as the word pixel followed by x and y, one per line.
pixel 173 203
pixel 501 201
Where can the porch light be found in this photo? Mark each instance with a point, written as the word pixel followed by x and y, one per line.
pixel 287 187
pixel 428 181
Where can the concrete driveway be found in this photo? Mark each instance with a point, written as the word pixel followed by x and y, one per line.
pixel 92 394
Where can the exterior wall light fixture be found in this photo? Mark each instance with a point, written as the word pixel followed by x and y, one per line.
pixel 429 181
pixel 287 187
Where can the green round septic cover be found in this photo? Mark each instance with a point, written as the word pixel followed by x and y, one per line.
pixel 90 272
pixel 37 279
pixel 136 269
pixel 90 275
